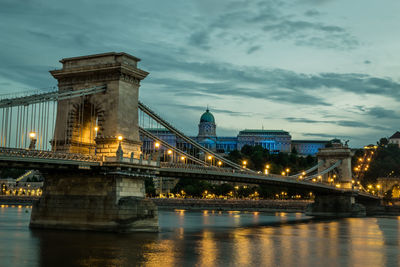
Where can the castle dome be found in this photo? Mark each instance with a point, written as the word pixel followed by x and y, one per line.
pixel 207 117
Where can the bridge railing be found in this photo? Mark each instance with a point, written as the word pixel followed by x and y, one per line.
pixel 43 154
pixel 237 172
pixel 219 169
pixel 128 160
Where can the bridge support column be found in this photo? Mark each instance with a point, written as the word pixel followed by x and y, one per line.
pixel 336 205
pixel 113 203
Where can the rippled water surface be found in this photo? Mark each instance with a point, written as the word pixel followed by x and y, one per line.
pixel 207 239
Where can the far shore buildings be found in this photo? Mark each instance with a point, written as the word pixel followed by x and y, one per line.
pixel 395 139
pixel 274 140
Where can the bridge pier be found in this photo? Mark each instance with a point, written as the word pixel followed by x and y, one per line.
pixel 113 203
pixel 336 205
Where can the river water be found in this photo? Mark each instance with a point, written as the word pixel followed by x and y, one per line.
pixel 207 238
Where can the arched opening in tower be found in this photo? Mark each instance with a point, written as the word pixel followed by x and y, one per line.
pixel 85 125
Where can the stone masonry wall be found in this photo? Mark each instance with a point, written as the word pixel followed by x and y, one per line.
pixel 94 202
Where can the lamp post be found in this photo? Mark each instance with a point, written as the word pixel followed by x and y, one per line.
pixel 266 171
pixel 244 163
pixel 32 144
pixel 169 153
pixel 157 146
pixel 183 158
pixel 120 152
pixel 210 158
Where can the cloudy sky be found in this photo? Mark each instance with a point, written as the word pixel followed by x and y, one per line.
pixel 316 68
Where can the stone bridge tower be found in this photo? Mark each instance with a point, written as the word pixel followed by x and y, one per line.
pixel 331 155
pixel 343 202
pixel 91 124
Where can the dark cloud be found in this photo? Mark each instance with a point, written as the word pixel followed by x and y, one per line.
pixel 305 33
pixel 327 136
pixel 311 13
pixel 192 88
pixel 318 2
pixel 34 76
pixel 367 62
pixel 354 124
pixel 272 84
pixel 253 49
pixel 305 120
pixel 200 39
pixel 381 113
pixel 212 109
pixel 344 123
pixel 273 19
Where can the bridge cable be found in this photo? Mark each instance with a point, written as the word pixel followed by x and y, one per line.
pixel 168 126
pixel 336 164
pixel 165 144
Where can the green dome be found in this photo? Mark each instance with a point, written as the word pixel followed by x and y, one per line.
pixel 207 117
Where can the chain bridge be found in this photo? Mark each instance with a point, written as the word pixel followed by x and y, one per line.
pixel 95 142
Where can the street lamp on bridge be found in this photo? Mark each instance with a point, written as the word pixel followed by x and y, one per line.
pixel 32 144
pixel 266 171
pixel 210 158
pixel 120 152
pixel 244 163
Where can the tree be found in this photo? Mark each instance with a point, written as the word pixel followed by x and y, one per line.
pixel 192 187
pixel 150 188
pixel 223 189
pixel 12 173
pixel 383 141
pixel 385 163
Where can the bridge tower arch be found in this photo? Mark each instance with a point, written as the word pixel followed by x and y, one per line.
pixel 340 155
pixel 91 124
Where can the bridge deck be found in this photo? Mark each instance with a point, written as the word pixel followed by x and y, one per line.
pixel 20 158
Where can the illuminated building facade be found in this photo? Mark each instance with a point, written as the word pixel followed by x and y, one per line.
pixel 274 140
pixel 395 139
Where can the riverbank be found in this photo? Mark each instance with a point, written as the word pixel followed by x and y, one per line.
pixel 267 205
pixel 17 200
pixel 263 205
pixel 199 204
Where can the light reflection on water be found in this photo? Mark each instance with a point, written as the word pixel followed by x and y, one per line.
pixel 207 238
